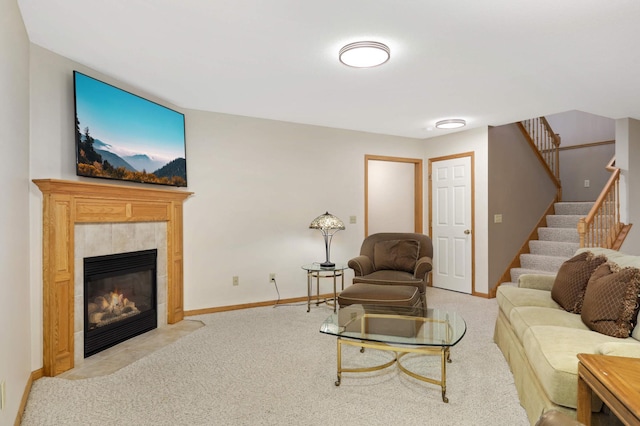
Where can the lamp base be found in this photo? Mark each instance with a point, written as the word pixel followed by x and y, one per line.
pixel 327 264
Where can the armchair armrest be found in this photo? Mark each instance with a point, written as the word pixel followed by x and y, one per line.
pixel 361 265
pixel 536 281
pixel 424 265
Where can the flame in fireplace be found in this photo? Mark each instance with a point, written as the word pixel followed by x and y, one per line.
pixel 110 307
pixel 116 299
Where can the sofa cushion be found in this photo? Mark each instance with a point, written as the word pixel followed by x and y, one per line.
pixel 509 297
pixel 523 317
pixel 572 278
pixel 626 347
pixel 552 353
pixel 611 300
pixel 400 255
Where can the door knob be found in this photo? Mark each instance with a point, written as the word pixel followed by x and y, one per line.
pixel 467 232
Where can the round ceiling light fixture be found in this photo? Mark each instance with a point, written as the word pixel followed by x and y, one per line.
pixel 364 54
pixel 452 123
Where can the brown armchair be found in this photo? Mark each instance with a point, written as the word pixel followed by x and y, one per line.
pixel 394 258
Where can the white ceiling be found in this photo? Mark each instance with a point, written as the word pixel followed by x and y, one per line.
pixel 490 62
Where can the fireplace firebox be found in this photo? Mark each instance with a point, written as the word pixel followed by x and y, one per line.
pixel 119 298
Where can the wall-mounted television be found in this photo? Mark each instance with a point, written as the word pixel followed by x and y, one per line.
pixel 122 136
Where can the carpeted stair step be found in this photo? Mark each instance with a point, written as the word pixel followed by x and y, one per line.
pixel 556 242
pixel 566 235
pixel 573 208
pixel 553 248
pixel 541 263
pixel 563 221
pixel 516 272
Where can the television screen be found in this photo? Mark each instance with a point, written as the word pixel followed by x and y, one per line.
pixel 122 136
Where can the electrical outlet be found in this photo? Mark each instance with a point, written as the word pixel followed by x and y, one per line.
pixel 236 280
pixel 352 219
pixel 272 277
pixel 497 218
pixel 2 395
pixel 587 184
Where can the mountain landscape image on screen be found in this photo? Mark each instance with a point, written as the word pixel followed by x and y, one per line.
pixel 96 158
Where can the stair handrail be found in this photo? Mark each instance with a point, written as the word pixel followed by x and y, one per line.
pixel 546 145
pixel 602 226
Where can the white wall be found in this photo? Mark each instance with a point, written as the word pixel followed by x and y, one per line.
pixel 15 326
pixel 257 184
pixel 475 141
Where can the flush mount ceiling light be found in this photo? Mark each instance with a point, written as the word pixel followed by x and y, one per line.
pixel 364 54
pixel 453 123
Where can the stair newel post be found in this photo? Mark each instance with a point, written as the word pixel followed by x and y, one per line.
pixel 581 231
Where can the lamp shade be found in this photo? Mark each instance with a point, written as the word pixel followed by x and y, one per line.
pixel 326 221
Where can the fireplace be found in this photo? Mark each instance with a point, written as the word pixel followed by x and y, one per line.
pixel 120 298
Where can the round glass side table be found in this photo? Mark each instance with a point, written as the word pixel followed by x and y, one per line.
pixel 315 270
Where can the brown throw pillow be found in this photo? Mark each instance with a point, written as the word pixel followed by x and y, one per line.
pixel 397 255
pixel 611 301
pixel 572 278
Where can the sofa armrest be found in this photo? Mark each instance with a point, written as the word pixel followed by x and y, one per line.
pixel 536 281
pixel 627 349
pixel 424 265
pixel 361 265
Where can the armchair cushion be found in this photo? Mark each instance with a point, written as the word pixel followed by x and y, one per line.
pixel 396 255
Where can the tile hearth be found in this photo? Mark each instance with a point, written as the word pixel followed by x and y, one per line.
pixel 125 353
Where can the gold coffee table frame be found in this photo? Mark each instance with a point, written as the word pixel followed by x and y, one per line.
pixel 399 345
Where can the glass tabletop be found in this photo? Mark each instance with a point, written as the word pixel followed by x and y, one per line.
pixel 396 325
pixel 316 267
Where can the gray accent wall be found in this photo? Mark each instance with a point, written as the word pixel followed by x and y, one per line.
pixel 519 189
pixel 586 163
pixel 579 162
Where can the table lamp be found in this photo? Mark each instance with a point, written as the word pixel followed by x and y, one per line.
pixel 328 224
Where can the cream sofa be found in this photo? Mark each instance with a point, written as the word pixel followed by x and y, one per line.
pixel 540 341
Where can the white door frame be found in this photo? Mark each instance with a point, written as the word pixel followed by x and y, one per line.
pixel 418 197
pixel 473 214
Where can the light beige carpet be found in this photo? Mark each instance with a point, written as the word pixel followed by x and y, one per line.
pixel 271 366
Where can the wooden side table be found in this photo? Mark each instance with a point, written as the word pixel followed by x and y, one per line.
pixel 615 380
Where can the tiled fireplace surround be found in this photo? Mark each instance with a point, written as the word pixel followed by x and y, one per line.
pixel 84 219
pixel 99 239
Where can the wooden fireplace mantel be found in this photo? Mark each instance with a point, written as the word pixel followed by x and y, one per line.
pixel 66 203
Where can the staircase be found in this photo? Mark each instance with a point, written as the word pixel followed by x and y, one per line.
pixel 556 242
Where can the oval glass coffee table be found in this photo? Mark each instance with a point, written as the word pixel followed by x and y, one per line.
pixel 398 329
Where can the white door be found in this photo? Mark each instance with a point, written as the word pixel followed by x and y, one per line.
pixel 451 221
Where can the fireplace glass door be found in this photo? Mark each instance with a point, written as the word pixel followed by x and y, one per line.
pixel 119 298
